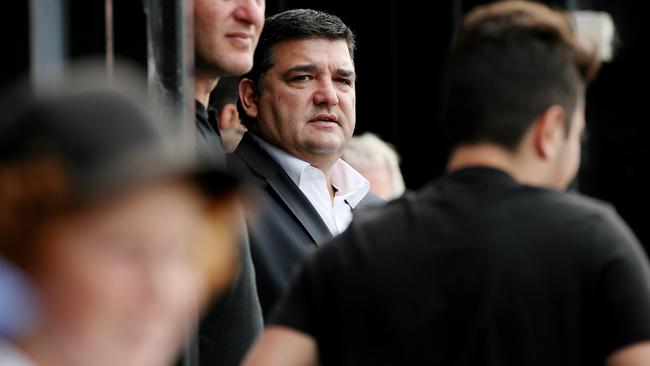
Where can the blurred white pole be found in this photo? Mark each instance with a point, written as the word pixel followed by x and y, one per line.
pixel 47 40
pixel 170 63
pixel 108 30
pixel 170 71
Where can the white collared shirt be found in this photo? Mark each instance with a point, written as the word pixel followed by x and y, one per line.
pixel 350 186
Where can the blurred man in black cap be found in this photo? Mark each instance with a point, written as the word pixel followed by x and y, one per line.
pixel 121 233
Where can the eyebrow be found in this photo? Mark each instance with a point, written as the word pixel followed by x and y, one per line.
pixel 313 68
pixel 301 68
pixel 346 73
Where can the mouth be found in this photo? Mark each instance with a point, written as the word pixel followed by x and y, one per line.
pixel 241 38
pixel 325 118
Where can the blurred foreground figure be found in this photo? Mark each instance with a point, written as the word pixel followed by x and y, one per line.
pixel 492 264
pixel 378 162
pixel 123 236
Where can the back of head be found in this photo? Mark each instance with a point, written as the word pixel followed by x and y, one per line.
pixel 291 25
pixel 225 92
pixel 511 61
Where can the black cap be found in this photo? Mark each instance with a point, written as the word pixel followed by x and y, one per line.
pixel 106 141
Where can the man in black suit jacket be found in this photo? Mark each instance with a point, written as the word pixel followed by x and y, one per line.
pixel 298 103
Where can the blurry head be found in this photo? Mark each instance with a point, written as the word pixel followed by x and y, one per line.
pixel 512 63
pixel 121 234
pixel 378 162
pixel 300 94
pixel 224 99
pixel 225 35
pixel 121 280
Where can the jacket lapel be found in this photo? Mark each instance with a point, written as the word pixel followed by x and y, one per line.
pixel 293 199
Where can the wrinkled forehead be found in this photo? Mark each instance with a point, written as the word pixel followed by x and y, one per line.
pixel 322 52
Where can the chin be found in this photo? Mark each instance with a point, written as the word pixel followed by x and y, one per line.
pixel 237 67
pixel 326 150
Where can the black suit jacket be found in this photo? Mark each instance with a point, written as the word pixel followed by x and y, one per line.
pixel 286 228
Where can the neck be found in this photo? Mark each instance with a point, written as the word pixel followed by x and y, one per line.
pixel 203 86
pixel 326 168
pixel 518 163
pixel 324 163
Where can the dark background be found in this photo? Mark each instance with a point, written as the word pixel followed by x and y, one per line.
pixel 400 58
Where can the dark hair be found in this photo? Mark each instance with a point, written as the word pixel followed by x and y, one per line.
pixel 291 25
pixel 510 62
pixel 225 92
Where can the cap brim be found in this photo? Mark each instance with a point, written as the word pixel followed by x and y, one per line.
pixel 160 162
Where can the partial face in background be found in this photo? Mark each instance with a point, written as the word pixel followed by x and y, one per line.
pixel 225 35
pixel 120 283
pixel 307 103
pixel 381 182
pixel 230 127
pixel 568 160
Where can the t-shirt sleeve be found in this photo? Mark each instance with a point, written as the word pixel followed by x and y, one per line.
pixel 622 285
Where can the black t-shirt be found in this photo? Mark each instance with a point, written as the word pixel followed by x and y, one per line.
pixel 208 140
pixel 475 270
pixel 234 318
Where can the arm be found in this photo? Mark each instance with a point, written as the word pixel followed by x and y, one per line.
pixel 282 346
pixel 637 354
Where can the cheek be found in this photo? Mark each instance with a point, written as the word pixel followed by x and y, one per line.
pixel 570 163
pixel 575 151
pixel 259 19
pixel 77 298
pixel 349 108
pixel 283 112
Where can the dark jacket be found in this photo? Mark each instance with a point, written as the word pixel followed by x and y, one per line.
pixel 286 228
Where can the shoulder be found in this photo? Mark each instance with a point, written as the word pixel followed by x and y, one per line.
pixel 573 206
pixel 590 221
pixel 249 158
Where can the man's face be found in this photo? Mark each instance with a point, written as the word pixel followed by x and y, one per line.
pixel 307 102
pixel 119 282
pixel 568 160
pixel 225 35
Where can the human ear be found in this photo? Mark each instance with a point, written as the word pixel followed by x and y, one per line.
pixel 549 132
pixel 248 97
pixel 228 116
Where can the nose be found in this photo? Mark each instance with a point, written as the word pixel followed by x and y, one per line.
pixel 251 12
pixel 326 94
